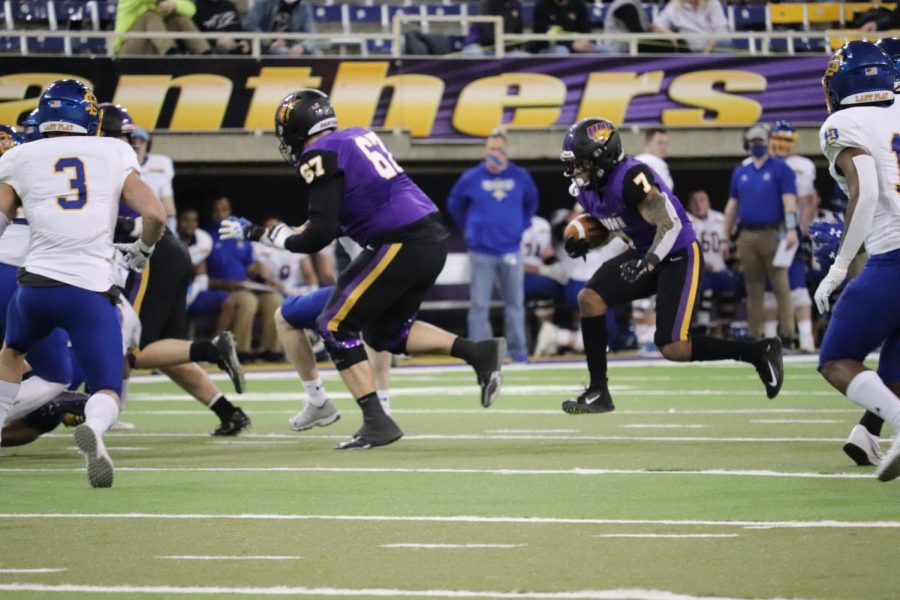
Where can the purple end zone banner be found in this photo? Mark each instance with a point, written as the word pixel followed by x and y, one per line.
pixel 442 99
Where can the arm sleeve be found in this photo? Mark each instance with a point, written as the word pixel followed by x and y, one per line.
pixel 324 213
pixel 732 187
pixel 664 18
pixel 634 188
pixel 787 180
pixel 717 17
pixel 531 200
pixel 628 14
pixel 583 24
pixel 254 19
pixel 861 220
pixel 458 202
pixel 185 8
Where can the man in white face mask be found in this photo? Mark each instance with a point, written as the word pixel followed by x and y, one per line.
pixel 493 204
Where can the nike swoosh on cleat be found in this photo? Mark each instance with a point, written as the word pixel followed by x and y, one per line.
pixel 592 400
pixel 774 381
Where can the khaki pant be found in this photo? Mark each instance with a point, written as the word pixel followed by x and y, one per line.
pixel 154 22
pixel 247 305
pixel 756 249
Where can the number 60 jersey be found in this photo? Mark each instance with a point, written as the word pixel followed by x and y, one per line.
pixel 377 196
pixel 70 189
pixel 877 130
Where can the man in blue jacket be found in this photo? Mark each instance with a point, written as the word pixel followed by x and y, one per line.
pixel 493 204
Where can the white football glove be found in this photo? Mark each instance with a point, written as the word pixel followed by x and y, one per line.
pixel 832 281
pixel 277 236
pixel 232 228
pixel 137 254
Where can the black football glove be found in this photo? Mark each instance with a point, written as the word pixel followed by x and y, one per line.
pixel 577 248
pixel 636 268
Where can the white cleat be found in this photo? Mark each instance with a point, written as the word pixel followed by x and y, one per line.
pixel 99 464
pixel 545 345
pixel 313 416
pixel 863 447
pixel 889 469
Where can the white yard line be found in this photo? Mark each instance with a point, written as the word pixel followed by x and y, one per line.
pixel 668 536
pixel 453 546
pixel 795 421
pixel 528 430
pixel 118 448
pixel 459 519
pixel 616 594
pixel 209 557
pixel 30 571
pixel 437 471
pixel 662 426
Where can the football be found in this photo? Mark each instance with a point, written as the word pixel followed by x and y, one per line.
pixel 584 226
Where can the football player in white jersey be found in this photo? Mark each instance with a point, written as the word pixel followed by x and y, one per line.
pixel 718 280
pixel 69 184
pixel 42 401
pixel 860 141
pixel 157 170
pixel 291 274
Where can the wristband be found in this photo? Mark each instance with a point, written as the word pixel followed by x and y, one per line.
pixel 790 220
pixel 144 248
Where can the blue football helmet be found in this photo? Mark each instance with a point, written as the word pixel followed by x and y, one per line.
pixel 891 47
pixel 9 138
pixel 30 126
pixel 68 106
pixel 782 138
pixel 859 73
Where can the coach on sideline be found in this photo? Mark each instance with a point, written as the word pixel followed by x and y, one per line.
pixel 493 204
pixel 763 198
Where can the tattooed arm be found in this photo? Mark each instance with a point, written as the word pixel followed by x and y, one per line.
pixel 657 210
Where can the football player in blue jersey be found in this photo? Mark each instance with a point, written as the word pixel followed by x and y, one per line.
pixel 358 189
pixel 634 202
pixel 859 140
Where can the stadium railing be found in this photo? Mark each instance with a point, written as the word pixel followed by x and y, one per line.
pixel 69 43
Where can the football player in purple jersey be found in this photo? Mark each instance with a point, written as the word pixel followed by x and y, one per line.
pixel 632 201
pixel 358 190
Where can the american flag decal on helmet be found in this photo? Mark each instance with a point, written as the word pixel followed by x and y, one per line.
pixel 871 70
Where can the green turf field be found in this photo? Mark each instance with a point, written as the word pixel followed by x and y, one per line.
pixel 696 486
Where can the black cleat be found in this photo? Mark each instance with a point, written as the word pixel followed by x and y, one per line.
pixel 488 364
pixel 372 434
pixel 771 366
pixel 228 359
pixel 234 425
pixel 590 401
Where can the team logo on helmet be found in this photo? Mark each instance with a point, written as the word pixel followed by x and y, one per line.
pixel 600 132
pixel 91 108
pixel 835 63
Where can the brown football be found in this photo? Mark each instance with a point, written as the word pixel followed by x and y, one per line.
pixel 584 226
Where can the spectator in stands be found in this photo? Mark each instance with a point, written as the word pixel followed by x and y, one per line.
pixel 481 35
pixel 493 204
pixel 231 267
pixel 221 16
pixel 626 16
pixel 559 16
pixel 693 16
pixel 877 18
pixel 156 16
pixel 283 16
